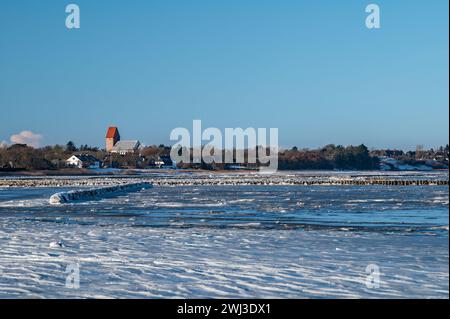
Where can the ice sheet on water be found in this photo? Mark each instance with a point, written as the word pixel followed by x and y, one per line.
pixel 228 241
pixel 374 208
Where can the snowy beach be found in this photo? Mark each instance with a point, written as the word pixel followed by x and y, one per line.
pixel 236 241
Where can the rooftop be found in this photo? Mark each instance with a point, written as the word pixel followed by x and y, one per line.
pixel 112 132
pixel 86 157
pixel 126 146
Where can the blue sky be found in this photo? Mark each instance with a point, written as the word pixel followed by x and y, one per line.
pixel 310 68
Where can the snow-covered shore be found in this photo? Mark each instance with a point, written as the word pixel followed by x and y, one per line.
pixel 242 241
pixel 123 262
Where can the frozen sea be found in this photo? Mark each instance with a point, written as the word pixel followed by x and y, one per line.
pixel 227 241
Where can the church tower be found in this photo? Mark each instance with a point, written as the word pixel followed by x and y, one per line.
pixel 112 137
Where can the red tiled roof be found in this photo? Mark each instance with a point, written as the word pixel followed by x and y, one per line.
pixel 112 132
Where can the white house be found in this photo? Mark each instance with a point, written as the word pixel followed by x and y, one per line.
pixel 83 161
pixel 160 161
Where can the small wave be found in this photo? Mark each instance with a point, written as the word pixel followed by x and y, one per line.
pixel 24 203
pixel 246 225
pixel 242 200
pixel 180 205
pixel 439 228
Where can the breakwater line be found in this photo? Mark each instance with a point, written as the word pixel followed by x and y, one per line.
pixel 308 182
pixel 95 193
pixel 213 181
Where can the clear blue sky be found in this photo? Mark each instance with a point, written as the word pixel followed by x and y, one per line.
pixel 310 68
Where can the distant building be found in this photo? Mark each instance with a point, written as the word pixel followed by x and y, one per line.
pixel 115 145
pixel 125 147
pixel 160 161
pixel 83 161
pixel 112 137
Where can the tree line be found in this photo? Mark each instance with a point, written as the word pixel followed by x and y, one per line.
pixel 20 156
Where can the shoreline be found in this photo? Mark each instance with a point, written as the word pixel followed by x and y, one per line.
pixel 224 180
pixel 138 172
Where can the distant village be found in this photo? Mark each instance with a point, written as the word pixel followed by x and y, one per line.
pixel 121 154
pixel 118 153
pixel 131 154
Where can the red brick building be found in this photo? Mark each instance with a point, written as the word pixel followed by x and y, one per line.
pixel 112 137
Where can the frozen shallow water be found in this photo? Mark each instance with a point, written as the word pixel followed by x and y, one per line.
pixel 228 241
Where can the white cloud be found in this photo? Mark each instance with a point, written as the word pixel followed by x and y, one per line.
pixel 27 137
pixel 3 144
